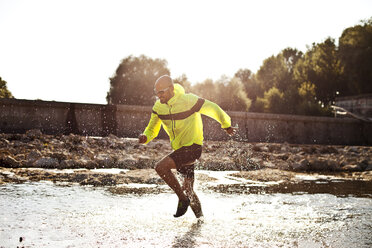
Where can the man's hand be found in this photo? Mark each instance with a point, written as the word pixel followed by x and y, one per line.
pixel 142 139
pixel 231 130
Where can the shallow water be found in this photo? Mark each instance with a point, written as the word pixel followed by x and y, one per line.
pixel 48 215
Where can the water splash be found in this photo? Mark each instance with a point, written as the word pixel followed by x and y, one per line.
pixel 46 215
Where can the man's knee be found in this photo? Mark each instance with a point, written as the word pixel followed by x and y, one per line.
pixel 160 168
pixel 164 165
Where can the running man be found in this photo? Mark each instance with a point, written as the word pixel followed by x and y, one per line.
pixel 180 116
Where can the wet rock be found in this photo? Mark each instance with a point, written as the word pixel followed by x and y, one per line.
pixel 285 148
pixel 318 164
pixel 363 163
pixel 33 156
pixel 265 148
pixel 4 142
pixel 127 163
pixel 256 148
pixel 47 163
pixel 309 149
pixel 282 156
pixel 269 164
pixel 283 165
pixel 144 162
pixel 74 139
pixel 138 191
pixel 80 177
pixel 113 137
pixel 92 181
pixel 273 147
pixel 20 157
pixel 34 134
pixel 74 151
pixel 9 162
pixel 353 149
pixel 105 161
pixel 328 149
pixel 67 164
pixel 144 176
pixel 89 164
pixel 345 160
pixel 351 167
pixel 333 165
pixel 60 156
pixel 302 165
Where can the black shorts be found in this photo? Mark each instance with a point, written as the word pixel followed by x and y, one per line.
pixel 185 158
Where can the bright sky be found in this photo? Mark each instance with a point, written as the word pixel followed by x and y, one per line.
pixel 66 50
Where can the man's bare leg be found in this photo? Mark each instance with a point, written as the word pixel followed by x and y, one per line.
pixel 163 168
pixel 188 186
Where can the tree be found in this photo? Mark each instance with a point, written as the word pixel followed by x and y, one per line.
pixel 321 67
pixel 228 93
pixel 251 85
pixel 277 71
pixel 273 101
pixel 133 82
pixel 275 77
pixel 4 92
pixel 272 72
pixel 355 52
pixel 232 96
pixel 207 89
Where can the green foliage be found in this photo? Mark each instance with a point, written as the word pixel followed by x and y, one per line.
pixel 307 90
pixel 290 82
pixel 251 85
pixel 258 105
pixel 321 67
pixel 275 78
pixel 229 94
pixel 4 92
pixel 355 49
pixel 273 101
pixel 272 73
pixel 207 89
pixel 133 82
pixel 277 71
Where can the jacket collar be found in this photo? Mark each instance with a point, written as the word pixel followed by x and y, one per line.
pixel 178 91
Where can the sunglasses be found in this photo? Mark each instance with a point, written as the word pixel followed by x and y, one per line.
pixel 161 92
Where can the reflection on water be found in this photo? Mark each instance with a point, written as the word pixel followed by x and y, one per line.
pixel 46 215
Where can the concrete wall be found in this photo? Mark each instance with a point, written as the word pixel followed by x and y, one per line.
pixel 18 116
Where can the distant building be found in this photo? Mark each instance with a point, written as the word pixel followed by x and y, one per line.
pixel 359 105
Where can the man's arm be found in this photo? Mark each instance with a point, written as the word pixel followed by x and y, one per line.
pixel 151 131
pixel 214 111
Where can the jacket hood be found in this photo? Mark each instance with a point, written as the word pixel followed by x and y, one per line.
pixel 178 90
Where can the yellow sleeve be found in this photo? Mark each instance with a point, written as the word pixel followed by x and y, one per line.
pixel 214 111
pixel 153 128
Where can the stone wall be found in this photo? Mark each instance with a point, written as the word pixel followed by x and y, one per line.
pixel 18 116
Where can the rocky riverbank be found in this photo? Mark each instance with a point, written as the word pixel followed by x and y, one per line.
pixel 25 157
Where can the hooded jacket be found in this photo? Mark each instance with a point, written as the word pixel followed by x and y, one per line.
pixel 181 118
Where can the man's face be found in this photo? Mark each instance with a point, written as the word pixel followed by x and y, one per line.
pixel 164 93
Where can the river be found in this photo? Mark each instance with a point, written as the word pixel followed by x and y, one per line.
pixel 45 214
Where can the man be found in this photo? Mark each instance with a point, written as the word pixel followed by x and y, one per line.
pixel 180 116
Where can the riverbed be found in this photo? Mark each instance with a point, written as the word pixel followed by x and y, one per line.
pixel 47 214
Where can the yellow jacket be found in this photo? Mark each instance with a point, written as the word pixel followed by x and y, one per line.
pixel 181 118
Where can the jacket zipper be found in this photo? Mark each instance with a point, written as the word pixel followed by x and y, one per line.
pixel 172 122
